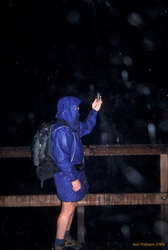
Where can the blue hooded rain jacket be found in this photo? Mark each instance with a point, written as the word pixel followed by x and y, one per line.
pixel 67 147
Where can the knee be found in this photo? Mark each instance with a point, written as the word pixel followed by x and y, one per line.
pixel 68 208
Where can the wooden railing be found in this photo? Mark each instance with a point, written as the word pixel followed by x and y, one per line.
pixel 98 199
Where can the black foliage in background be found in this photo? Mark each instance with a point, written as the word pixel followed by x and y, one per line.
pixel 81 47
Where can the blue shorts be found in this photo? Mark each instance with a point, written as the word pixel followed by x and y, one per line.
pixel 64 187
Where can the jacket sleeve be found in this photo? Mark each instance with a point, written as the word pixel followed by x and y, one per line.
pixel 87 126
pixel 61 142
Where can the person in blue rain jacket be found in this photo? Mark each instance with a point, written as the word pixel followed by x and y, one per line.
pixel 70 181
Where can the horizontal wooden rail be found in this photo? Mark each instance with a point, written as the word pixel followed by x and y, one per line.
pixel 94 150
pixel 89 200
pixel 99 199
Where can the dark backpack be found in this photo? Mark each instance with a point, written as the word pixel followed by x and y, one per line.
pixel 42 153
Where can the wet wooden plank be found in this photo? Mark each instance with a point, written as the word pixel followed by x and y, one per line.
pixel 164 188
pixel 89 200
pixel 15 152
pixel 109 150
pixel 81 224
pixel 164 222
pixel 94 150
pixel 164 173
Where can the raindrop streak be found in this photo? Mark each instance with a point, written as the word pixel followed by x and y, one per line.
pixel 160 228
pixel 124 75
pixel 152 133
pixel 127 61
pixel 143 90
pixel 135 19
pixel 73 17
pixel 148 44
pixel 133 176
pixel 125 231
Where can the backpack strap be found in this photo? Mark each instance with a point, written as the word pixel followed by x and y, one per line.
pixel 74 147
pixel 67 124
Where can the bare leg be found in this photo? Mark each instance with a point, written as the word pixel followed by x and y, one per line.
pixel 70 221
pixel 65 218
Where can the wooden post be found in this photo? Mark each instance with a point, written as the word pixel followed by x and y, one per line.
pixel 164 189
pixel 81 224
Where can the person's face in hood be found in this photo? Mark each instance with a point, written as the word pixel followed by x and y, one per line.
pixel 75 112
pixel 68 110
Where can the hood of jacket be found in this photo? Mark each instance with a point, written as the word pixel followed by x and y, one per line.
pixel 67 109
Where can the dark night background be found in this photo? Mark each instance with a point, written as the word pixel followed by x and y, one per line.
pixel 54 48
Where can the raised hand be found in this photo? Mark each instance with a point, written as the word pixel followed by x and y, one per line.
pixel 96 105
